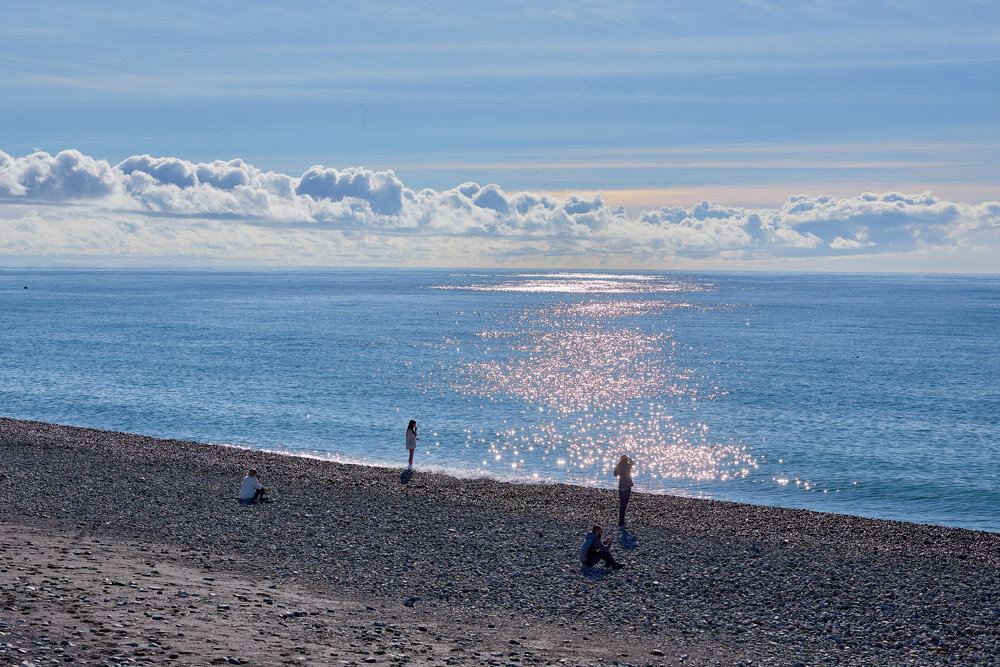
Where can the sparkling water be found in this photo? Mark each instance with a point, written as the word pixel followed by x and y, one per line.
pixel 874 395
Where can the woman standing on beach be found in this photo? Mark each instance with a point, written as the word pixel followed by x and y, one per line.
pixel 623 471
pixel 411 438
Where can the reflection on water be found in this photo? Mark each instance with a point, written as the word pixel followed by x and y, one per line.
pixel 871 395
pixel 568 359
pixel 583 283
pixel 597 379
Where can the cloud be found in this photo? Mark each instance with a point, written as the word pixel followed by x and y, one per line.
pixel 70 175
pixel 70 204
pixel 860 241
pixel 380 189
pixel 163 170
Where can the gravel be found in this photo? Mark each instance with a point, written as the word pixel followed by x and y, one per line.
pixel 706 581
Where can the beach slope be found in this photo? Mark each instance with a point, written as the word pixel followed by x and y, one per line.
pixel 123 548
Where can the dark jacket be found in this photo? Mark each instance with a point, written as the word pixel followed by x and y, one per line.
pixel 623 471
pixel 592 539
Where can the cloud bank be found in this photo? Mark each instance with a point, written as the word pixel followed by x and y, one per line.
pixel 71 205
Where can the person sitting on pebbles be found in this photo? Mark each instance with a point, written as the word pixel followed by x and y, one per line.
pixel 594 549
pixel 251 490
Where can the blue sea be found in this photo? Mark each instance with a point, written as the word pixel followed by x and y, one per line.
pixel 873 395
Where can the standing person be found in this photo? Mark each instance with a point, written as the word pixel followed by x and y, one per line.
pixel 251 490
pixel 411 438
pixel 594 549
pixel 623 471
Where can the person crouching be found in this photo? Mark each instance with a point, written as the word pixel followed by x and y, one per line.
pixel 594 549
pixel 251 490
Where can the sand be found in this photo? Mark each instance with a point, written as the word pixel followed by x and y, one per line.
pixel 123 549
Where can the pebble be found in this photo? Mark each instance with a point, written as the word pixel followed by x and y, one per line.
pixel 769 584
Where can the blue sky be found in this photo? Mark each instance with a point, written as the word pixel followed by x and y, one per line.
pixel 662 104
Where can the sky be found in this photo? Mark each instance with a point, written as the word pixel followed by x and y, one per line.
pixel 738 134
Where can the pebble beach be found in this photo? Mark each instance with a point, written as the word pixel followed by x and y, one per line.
pixel 125 549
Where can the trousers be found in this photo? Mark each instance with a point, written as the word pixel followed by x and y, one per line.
pixel 256 496
pixel 623 498
pixel 596 553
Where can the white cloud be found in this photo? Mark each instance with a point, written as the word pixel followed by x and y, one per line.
pixel 70 204
pixel 69 175
pixel 380 189
pixel 859 241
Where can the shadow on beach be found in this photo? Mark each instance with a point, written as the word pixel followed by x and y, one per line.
pixel 628 541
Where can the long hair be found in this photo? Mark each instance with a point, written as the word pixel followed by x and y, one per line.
pixel 412 426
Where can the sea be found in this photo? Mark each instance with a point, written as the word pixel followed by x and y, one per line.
pixel 867 394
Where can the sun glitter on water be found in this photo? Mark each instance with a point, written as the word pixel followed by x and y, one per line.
pixel 595 381
pixel 584 283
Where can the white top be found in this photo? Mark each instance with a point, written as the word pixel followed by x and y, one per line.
pixel 411 439
pixel 249 487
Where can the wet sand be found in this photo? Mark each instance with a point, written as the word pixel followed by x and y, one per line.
pixel 123 549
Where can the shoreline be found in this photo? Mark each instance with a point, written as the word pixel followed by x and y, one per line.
pixel 518 481
pixel 715 581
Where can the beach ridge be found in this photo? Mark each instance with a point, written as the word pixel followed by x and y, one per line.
pixel 715 582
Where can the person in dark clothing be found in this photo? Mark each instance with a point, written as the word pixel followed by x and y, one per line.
pixel 623 471
pixel 594 549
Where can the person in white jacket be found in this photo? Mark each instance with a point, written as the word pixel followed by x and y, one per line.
pixel 251 490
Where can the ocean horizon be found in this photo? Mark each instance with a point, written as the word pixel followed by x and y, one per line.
pixel 866 394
